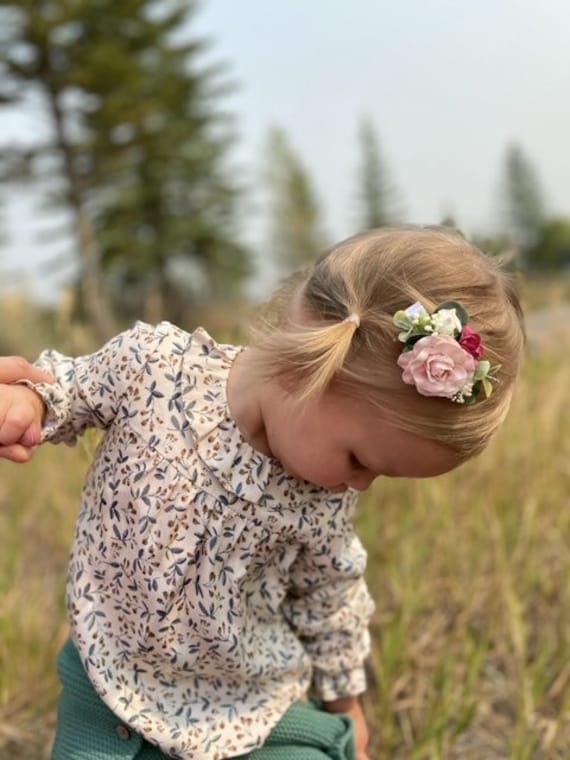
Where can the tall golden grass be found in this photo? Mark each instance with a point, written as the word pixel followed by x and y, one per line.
pixel 471 637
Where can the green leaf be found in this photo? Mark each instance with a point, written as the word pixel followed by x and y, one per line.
pixel 402 320
pixel 487 386
pixel 483 369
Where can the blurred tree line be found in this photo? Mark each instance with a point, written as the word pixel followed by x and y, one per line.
pixel 139 156
pixel 138 148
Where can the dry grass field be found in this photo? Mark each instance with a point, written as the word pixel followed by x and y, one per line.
pixel 471 638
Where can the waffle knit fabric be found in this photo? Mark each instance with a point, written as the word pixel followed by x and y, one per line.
pixel 88 730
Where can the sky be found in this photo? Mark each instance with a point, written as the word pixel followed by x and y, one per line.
pixel 448 85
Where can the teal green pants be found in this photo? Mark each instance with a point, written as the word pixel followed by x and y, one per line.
pixel 88 730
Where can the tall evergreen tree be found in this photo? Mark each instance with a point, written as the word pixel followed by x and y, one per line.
pixel 377 195
pixel 139 147
pixel 297 238
pixel 523 199
pixel 36 43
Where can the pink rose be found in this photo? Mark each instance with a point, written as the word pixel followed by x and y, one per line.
pixel 438 366
pixel 471 342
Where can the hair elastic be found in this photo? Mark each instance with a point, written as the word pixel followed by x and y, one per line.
pixel 353 317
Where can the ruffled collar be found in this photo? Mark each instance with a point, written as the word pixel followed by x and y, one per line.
pixel 241 469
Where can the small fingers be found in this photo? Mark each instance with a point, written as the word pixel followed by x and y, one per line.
pixel 32 436
pixel 17 453
pixel 16 425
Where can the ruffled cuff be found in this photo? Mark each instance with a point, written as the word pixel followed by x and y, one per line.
pixel 347 683
pixel 55 413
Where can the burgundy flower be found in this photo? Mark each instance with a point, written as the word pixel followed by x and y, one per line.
pixel 471 342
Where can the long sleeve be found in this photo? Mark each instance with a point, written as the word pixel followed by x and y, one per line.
pixel 90 390
pixel 329 608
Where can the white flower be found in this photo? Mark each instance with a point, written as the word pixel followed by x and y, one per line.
pixel 416 310
pixel 446 322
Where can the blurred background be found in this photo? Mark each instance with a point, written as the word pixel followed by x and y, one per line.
pixel 174 159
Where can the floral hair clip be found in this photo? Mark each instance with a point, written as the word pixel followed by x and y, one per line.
pixel 442 355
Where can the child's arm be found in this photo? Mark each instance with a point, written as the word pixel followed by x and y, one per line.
pixel 329 607
pixel 21 417
pixel 91 390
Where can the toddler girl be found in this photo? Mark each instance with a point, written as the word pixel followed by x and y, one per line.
pixel 215 579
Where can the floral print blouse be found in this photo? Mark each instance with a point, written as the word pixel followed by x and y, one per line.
pixel 207 589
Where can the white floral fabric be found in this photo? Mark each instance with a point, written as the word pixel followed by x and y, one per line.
pixel 208 589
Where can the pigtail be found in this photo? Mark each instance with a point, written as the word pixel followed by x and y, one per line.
pixel 320 353
pixel 306 358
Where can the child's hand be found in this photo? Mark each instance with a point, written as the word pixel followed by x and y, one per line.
pixel 351 706
pixel 12 369
pixel 21 416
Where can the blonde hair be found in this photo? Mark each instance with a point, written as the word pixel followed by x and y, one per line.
pixel 333 325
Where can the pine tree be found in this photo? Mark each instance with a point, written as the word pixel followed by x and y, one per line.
pixel 297 238
pixel 523 200
pixel 139 147
pixel 377 196
pixel 36 41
